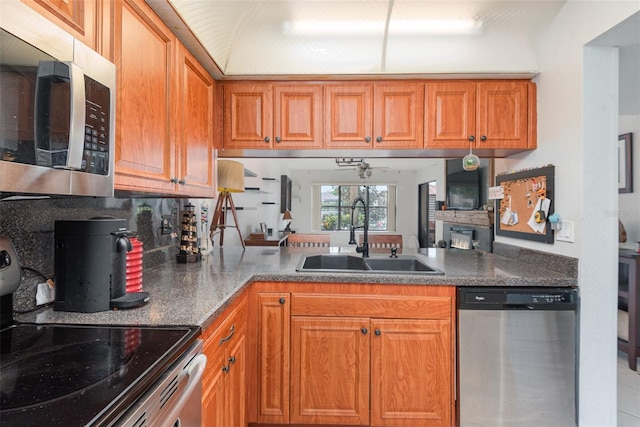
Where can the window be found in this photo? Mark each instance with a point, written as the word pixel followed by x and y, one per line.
pixel 332 207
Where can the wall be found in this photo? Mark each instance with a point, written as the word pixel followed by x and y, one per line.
pixel 577 115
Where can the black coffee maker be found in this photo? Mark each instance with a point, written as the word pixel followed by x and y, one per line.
pixel 90 266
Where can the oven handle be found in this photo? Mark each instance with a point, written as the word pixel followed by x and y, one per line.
pixel 195 379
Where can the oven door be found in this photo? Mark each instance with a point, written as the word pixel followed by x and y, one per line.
pixel 176 398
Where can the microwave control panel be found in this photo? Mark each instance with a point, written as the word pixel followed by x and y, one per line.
pixel 96 130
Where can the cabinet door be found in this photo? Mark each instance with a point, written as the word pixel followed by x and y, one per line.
pixel 451 114
pixel 398 116
pixel 248 116
pixel 145 59
pixel 348 110
pixel 330 370
pixel 298 116
pixel 195 129
pixel 77 17
pixel 235 385
pixel 213 386
pixel 502 115
pixel 411 373
pixel 274 333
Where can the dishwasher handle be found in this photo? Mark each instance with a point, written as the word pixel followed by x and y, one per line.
pixel 194 373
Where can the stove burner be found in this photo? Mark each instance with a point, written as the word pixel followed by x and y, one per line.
pixel 59 372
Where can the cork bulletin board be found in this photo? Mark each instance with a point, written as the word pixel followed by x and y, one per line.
pixel 526 193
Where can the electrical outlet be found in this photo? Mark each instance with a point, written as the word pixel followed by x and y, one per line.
pixel 565 233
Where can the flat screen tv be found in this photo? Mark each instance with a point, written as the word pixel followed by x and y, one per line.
pixel 463 187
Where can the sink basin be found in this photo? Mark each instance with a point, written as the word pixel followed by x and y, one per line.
pixel 354 264
pixel 332 263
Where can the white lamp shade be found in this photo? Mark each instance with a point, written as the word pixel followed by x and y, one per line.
pixel 230 176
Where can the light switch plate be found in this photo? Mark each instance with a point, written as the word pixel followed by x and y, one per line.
pixel 565 233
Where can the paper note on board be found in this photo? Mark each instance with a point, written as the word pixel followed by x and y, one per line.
pixel 496 192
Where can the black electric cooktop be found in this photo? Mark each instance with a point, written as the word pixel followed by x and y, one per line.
pixel 72 375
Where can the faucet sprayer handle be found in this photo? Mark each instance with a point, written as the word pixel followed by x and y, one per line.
pixel 352 235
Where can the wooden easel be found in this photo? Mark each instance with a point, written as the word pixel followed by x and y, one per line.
pixel 225 201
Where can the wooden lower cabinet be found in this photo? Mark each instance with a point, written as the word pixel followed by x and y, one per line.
pixel 411 366
pixel 330 370
pixel 353 354
pixel 224 386
pixel 273 342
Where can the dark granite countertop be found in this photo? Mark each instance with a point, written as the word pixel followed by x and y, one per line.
pixel 195 294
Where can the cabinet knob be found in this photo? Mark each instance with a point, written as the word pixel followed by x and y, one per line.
pixel 173 180
pixel 232 359
pixel 367 139
pixel 282 300
pixel 225 369
pixel 379 139
pixel 483 138
pixel 278 139
pixel 472 138
pixel 266 139
pixel 377 332
pixel 182 181
pixel 364 331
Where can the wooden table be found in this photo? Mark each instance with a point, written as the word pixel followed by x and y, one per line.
pixel 631 292
pixel 278 240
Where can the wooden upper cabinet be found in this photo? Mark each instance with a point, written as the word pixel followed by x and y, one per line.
pixel 77 17
pixel 451 114
pixel 194 129
pixel 490 114
pixel 164 110
pixel 298 116
pixel 348 113
pixel 145 58
pixel 279 116
pixel 379 115
pixel 503 115
pixel 398 115
pixel 248 116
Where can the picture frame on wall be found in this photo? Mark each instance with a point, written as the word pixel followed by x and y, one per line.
pixel 625 163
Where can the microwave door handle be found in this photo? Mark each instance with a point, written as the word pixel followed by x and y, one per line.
pixel 50 72
pixel 77 122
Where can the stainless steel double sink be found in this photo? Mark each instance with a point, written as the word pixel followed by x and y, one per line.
pixel 342 263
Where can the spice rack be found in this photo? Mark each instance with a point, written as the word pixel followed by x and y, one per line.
pixel 189 250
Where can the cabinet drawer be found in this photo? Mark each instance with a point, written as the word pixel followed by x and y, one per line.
pixel 234 322
pixel 391 306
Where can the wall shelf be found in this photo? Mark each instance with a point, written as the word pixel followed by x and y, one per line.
pixel 255 190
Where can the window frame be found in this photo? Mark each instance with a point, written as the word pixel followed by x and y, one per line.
pixel 316 214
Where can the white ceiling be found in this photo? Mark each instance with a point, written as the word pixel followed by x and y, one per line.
pixel 254 37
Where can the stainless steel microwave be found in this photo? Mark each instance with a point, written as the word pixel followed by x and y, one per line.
pixel 57 109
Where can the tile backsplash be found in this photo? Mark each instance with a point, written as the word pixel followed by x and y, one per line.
pixel 29 224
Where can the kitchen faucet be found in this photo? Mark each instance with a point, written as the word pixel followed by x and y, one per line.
pixel 364 249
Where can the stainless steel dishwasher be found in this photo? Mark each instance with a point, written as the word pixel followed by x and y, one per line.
pixel 516 362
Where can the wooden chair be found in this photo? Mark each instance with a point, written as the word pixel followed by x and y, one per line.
pixel 383 241
pixel 309 240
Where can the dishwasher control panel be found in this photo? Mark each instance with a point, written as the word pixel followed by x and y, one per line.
pixel 516 298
